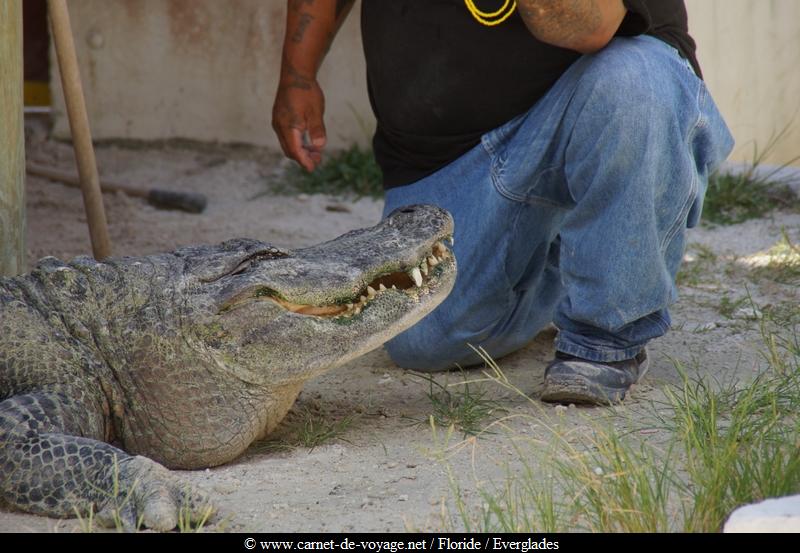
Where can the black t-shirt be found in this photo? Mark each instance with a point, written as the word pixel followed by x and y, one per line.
pixel 438 79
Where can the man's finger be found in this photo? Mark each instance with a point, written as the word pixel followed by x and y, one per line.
pixel 317 135
pixel 299 152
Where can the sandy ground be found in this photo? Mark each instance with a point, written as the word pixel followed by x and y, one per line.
pixel 381 473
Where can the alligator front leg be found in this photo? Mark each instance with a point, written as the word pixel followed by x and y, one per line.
pixel 52 464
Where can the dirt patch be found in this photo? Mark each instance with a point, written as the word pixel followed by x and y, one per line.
pixel 379 472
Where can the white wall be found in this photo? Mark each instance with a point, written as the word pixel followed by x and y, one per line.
pixel 201 69
pixel 750 54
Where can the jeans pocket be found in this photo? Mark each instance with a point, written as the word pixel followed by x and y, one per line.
pixel 518 181
pixel 526 166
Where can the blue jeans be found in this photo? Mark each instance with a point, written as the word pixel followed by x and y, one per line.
pixel 574 212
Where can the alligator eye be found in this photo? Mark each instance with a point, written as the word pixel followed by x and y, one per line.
pixel 242 267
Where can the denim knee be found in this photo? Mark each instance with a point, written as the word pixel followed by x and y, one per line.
pixel 424 351
pixel 408 352
pixel 627 79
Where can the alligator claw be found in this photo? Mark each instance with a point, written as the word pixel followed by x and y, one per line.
pixel 148 495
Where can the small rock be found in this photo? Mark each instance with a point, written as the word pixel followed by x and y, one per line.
pixel 748 313
pixel 225 488
pixel 303 197
pixel 561 409
pixel 402 497
pixel 778 515
pixel 337 208
pixel 705 327
pixel 598 471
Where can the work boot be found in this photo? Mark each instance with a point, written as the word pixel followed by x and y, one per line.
pixel 570 379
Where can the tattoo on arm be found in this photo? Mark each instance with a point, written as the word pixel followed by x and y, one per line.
pixel 295 78
pixel 302 25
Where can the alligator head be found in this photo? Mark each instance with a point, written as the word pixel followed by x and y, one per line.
pixel 281 317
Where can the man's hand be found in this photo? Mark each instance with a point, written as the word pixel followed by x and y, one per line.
pixel 582 25
pixel 297 120
pixel 297 115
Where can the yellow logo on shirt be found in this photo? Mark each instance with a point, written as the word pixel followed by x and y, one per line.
pixel 490 19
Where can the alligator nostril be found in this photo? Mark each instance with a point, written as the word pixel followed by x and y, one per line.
pixel 408 210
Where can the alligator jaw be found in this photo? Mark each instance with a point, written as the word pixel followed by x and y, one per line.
pixel 410 281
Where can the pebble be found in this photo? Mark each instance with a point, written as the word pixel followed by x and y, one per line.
pixel 748 313
pixel 226 488
pixel 705 327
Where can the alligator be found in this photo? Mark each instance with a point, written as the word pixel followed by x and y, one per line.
pixel 114 372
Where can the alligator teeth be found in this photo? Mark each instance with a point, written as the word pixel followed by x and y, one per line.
pixel 381 288
pixel 439 249
pixel 452 240
pixel 350 306
pixel 363 299
pixel 423 268
pixel 370 292
pixel 433 261
pixel 394 287
pixel 416 276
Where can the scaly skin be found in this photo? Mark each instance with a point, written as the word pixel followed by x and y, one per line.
pixel 112 371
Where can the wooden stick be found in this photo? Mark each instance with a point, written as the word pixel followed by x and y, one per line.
pixel 12 142
pixel 79 126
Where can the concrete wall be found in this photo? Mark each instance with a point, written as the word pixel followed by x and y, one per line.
pixel 207 70
pixel 201 69
pixel 750 53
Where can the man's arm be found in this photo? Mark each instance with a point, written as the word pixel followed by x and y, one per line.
pixel 582 25
pixel 299 104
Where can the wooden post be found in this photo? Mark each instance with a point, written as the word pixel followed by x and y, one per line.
pixel 12 141
pixel 79 127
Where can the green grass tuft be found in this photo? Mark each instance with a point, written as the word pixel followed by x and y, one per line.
pixel 351 172
pixel 306 428
pixel 740 444
pixel 460 405
pixel 733 198
pixel 783 263
pixel 721 445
